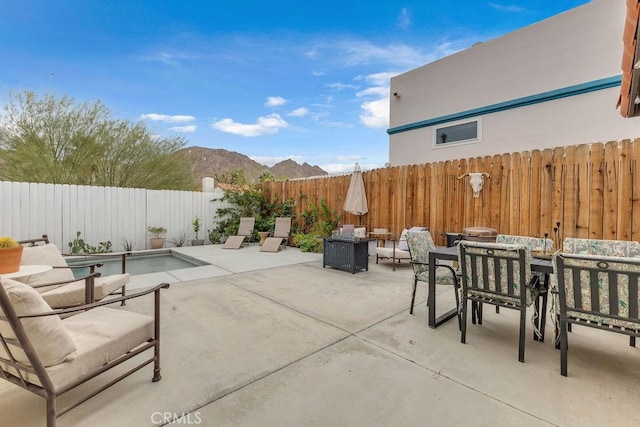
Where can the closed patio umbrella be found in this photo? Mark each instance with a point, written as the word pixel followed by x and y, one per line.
pixel 356 201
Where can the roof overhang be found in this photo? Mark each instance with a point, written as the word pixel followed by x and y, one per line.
pixel 629 100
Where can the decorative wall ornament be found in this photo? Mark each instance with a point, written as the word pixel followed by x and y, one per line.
pixel 476 180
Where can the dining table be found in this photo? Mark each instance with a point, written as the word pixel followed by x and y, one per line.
pixel 543 266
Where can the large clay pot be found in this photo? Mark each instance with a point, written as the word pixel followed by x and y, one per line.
pixel 263 236
pixel 10 259
pixel 156 242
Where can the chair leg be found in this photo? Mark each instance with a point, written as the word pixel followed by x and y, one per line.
pixel 479 309
pixel 563 347
pixel 523 322
pixel 463 329
pixel 51 411
pixel 455 291
pixel 413 294
pixel 497 309
pixel 632 341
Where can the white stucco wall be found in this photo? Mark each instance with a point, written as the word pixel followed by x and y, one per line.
pixel 574 48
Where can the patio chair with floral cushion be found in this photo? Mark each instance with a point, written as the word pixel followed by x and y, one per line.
pixel 58 286
pixel 613 248
pixel 420 243
pixel 50 356
pixel 599 292
pixel 497 274
pixel 533 244
pixel 399 249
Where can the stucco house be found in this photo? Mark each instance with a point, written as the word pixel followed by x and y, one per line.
pixel 553 83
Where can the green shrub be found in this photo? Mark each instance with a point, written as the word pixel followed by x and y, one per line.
pixel 310 242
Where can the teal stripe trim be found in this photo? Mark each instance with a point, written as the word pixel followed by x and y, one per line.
pixel 580 89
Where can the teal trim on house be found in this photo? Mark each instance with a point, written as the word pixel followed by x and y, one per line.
pixel 580 89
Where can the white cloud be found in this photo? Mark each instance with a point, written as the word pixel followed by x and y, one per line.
pixel 317 73
pixel 507 8
pixel 275 101
pixel 265 125
pixel 349 158
pixel 168 58
pixel 299 112
pixel 185 129
pixel 404 19
pixel 375 113
pixel 340 86
pixel 167 118
pixel 345 168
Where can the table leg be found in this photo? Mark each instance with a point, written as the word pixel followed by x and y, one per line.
pixel 431 298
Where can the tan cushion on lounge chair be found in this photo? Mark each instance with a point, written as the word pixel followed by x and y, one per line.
pixel 48 255
pixel 74 293
pixel 49 337
pixel 233 242
pixel 271 244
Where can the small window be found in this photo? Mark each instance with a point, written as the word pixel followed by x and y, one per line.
pixel 463 132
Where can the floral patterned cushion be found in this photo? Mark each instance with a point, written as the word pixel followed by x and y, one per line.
pixel 532 243
pixel 602 314
pixel 503 250
pixel 616 248
pixel 420 244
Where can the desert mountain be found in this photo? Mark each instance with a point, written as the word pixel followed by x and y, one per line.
pixel 222 164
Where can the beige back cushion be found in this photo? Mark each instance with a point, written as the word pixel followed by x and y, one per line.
pixel 50 339
pixel 47 255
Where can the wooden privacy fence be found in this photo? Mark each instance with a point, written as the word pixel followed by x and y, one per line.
pixel 592 190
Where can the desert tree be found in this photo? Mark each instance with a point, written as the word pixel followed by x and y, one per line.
pixel 58 140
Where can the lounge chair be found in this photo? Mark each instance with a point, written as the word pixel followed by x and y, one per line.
pixel 399 250
pixel 245 229
pixel 50 356
pixel 58 286
pixel 280 238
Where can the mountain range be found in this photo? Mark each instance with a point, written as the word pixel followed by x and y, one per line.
pixel 222 165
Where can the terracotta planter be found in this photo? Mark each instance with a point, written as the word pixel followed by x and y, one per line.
pixel 263 236
pixel 156 242
pixel 10 259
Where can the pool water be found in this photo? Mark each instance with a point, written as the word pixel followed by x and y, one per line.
pixel 137 264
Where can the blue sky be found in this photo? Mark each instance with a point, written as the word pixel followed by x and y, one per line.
pixel 273 80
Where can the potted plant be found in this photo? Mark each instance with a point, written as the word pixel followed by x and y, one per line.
pixel 264 226
pixel 196 229
pixel 10 255
pixel 157 241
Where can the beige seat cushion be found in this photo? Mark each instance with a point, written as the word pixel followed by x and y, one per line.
pixel 50 339
pixel 100 335
pixel 48 255
pixel 388 253
pixel 74 293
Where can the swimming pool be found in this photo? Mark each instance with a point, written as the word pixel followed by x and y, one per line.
pixel 143 262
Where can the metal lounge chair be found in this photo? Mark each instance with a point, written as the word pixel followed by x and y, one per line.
pixel 245 229
pixel 50 356
pixel 280 237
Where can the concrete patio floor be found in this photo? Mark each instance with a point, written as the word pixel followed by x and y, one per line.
pixel 276 340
